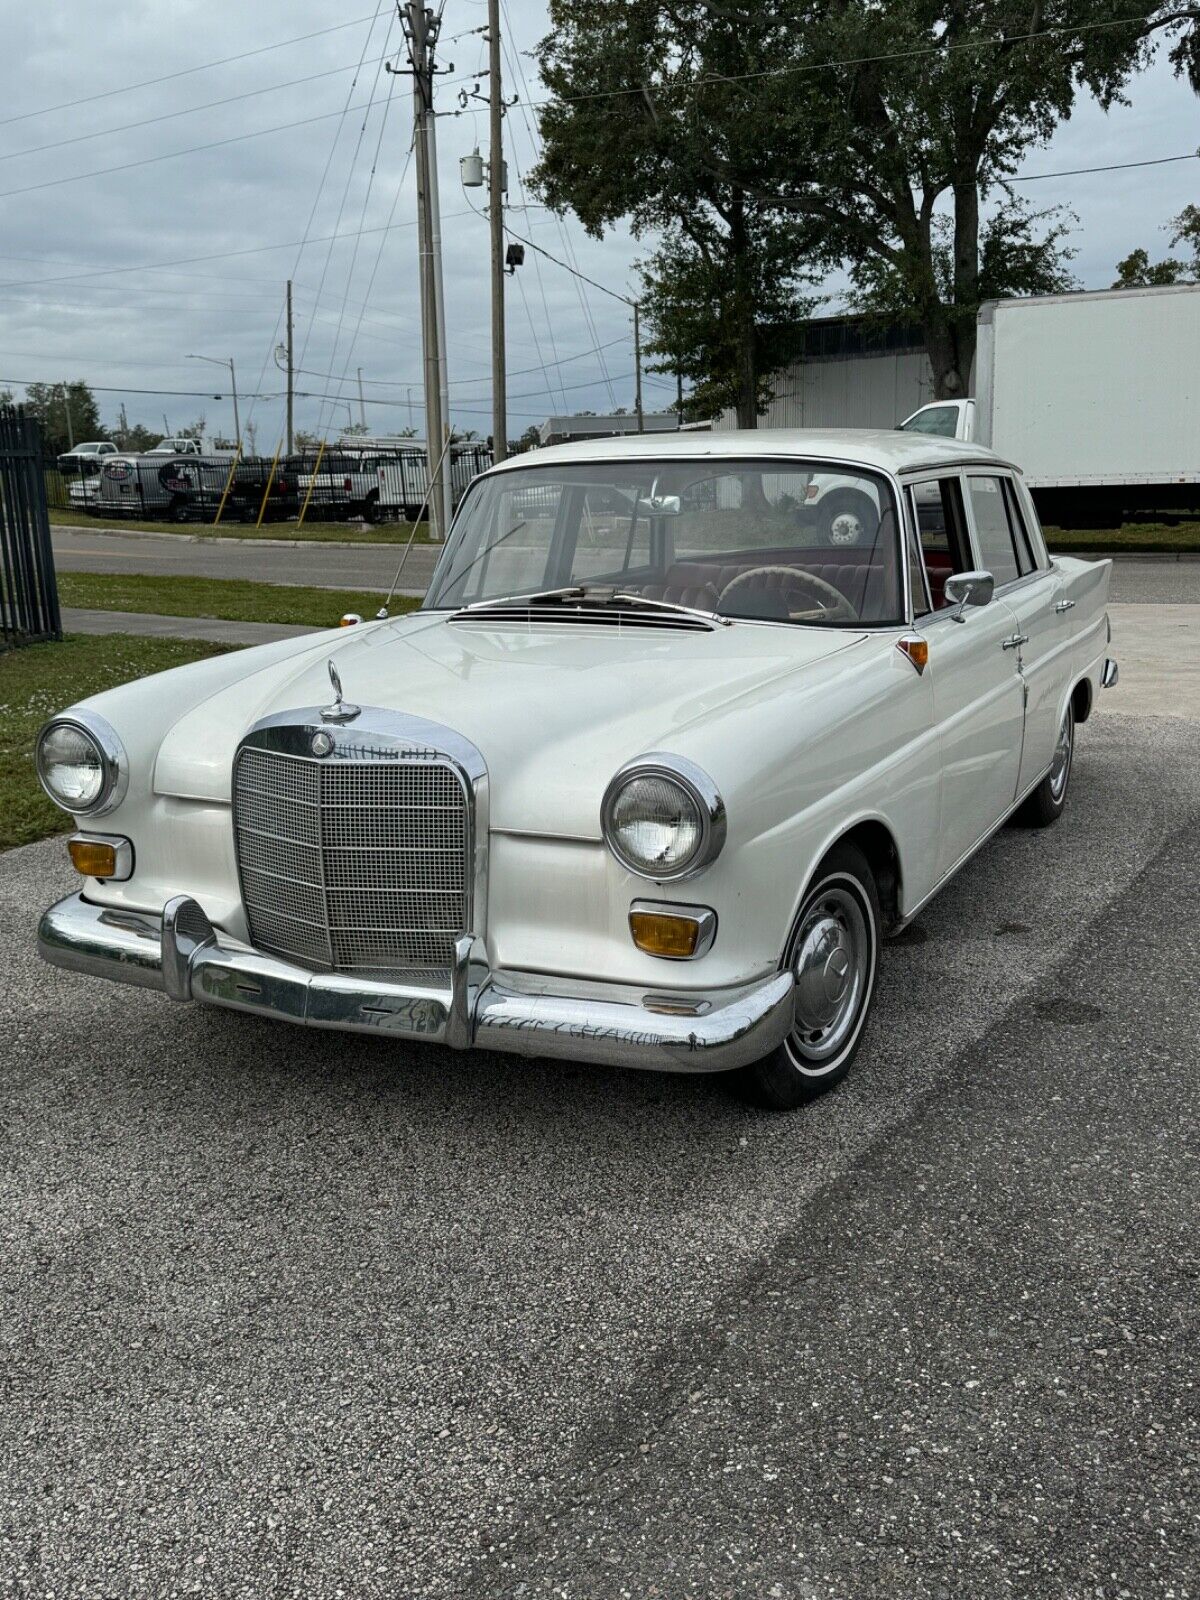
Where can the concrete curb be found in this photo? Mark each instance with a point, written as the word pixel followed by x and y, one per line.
pixel 221 538
pixel 148 625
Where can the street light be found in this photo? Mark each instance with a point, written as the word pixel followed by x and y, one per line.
pixel 218 361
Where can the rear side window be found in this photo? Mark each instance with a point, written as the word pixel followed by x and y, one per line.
pixel 1026 549
pixel 994 532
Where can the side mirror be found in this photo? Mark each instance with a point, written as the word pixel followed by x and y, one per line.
pixel 965 589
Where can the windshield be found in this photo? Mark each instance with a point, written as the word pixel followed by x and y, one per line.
pixel 777 541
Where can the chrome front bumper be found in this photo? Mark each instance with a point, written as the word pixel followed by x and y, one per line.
pixel 180 954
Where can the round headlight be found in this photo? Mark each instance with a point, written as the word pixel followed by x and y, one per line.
pixel 663 818
pixel 80 765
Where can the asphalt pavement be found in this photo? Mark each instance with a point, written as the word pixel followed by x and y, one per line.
pixel 350 566
pixel 296 1314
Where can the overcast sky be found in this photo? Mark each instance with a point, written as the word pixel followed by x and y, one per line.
pixel 80 295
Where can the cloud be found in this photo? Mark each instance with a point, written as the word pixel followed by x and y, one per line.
pixel 79 296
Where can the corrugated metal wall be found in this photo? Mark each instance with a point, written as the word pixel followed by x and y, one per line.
pixel 875 391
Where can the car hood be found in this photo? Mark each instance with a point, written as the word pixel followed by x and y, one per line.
pixel 554 708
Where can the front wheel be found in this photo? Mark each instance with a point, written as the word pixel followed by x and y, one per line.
pixel 1045 804
pixel 833 952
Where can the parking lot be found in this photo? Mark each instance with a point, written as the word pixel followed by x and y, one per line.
pixel 296 1314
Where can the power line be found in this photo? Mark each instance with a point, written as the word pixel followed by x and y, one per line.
pixel 714 79
pixel 216 255
pixel 337 134
pixel 1118 166
pixel 184 72
pixel 171 155
pixel 366 196
pixel 167 116
pixel 624 298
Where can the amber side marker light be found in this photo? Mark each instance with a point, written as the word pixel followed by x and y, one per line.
pixel 661 935
pixel 916 649
pixel 92 859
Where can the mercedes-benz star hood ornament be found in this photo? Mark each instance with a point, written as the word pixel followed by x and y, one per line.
pixel 341 710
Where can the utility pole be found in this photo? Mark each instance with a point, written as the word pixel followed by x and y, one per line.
pixel 362 404
pixel 420 28
pixel 66 389
pixel 290 371
pixel 496 219
pixel 637 362
pixel 237 421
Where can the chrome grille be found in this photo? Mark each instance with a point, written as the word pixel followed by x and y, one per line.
pixel 352 864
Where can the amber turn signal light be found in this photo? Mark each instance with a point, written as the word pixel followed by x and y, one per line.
pixel 351 619
pixel 916 649
pixel 92 859
pixel 661 935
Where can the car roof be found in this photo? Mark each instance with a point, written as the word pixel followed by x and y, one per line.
pixel 884 449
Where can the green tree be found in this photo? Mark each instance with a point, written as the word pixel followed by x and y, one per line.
pixel 1137 271
pixel 724 310
pixel 67 412
pixel 723 291
pixel 892 130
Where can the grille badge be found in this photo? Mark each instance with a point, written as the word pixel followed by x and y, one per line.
pixel 321 743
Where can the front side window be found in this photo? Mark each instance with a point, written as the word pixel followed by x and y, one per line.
pixel 754 539
pixel 938 513
pixel 994 532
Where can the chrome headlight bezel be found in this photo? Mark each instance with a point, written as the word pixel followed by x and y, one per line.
pixel 114 763
pixel 700 790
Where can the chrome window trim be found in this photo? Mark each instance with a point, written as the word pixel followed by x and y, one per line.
pixel 704 916
pixel 378 733
pixel 113 759
pixel 661 764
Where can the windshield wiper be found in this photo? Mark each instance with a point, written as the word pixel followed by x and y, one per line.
pixel 538 597
pixel 599 596
pixel 670 605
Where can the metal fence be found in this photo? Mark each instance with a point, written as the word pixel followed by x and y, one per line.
pixel 28 591
pixel 337 484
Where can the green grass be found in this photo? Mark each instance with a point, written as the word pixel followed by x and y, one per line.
pixel 44 678
pixel 230 598
pixel 1133 536
pixel 311 532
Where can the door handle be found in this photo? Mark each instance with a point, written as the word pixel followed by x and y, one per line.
pixel 1064 605
pixel 1014 641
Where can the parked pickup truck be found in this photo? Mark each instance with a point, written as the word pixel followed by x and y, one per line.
pixel 342 486
pixel 84 457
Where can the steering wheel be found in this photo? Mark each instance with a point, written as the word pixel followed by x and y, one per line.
pixel 832 602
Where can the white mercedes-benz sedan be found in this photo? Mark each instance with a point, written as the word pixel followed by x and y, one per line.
pixel 646 780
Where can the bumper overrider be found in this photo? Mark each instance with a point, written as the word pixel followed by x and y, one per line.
pixel 181 954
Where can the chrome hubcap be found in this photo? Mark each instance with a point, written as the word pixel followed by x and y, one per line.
pixel 831 959
pixel 1061 770
pixel 845 528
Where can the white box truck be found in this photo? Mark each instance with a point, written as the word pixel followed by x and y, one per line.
pixel 1096 397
